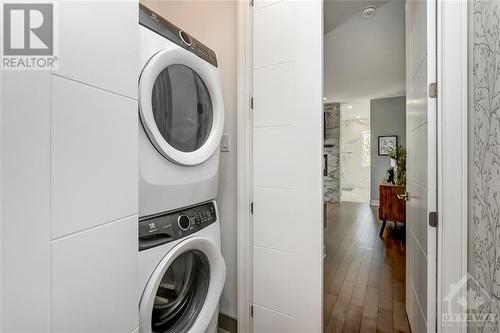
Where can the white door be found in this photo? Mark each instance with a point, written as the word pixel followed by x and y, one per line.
pixel 421 165
pixel 287 166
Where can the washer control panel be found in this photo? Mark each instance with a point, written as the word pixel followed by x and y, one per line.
pixel 158 24
pixel 159 229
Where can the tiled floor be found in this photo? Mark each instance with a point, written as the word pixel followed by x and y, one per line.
pixel 364 274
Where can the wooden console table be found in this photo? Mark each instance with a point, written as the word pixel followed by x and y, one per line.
pixel 391 207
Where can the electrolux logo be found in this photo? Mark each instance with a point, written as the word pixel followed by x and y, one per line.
pixel 29 39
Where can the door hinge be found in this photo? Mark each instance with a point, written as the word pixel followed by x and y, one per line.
pixel 433 91
pixel 251 103
pixel 433 219
pixel 251 311
pixel 251 208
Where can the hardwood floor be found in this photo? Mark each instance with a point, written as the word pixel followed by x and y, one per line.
pixel 364 274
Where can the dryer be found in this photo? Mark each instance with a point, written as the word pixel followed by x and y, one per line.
pixel 182 116
pixel 182 271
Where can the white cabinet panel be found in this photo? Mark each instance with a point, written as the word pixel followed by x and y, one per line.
pixel 417 104
pixel 273 148
pixel 417 158
pixel 274 40
pixel 99 44
pixel 275 106
pixel 264 3
pixel 25 201
pixel 421 181
pixel 94 147
pixel 414 312
pixel 417 35
pixel 275 214
pixel 274 281
pixel 94 279
pixel 287 166
pixel 272 321
pixel 417 214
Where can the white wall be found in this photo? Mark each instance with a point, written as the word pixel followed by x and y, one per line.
pixel 68 179
pixel 365 58
pixel 214 24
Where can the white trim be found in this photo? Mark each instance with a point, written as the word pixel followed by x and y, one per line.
pixel 244 164
pixel 452 148
pixel 374 202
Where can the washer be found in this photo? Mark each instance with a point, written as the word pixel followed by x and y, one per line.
pixel 182 116
pixel 182 271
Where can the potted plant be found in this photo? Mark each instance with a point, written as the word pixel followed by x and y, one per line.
pixel 398 154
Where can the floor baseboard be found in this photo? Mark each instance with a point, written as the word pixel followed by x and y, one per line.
pixel 227 323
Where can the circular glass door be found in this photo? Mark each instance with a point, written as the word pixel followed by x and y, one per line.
pixel 181 293
pixel 182 108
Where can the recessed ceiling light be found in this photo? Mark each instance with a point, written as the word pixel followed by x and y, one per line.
pixel 358 117
pixel 324 98
pixel 349 106
pixel 368 12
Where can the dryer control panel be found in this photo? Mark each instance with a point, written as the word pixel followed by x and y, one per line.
pixel 164 228
pixel 158 24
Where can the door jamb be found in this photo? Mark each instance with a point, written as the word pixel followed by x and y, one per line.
pixel 452 105
pixel 452 73
pixel 244 163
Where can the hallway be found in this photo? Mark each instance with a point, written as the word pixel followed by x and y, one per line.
pixel 364 275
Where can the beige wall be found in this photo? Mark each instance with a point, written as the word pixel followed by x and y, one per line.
pixel 214 24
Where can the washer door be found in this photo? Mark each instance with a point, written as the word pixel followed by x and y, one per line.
pixel 181 107
pixel 184 290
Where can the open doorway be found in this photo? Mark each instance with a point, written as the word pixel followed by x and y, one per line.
pixel 365 123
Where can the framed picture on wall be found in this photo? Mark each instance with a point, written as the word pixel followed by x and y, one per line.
pixel 386 143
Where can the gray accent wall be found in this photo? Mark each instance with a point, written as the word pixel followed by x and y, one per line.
pixel 388 117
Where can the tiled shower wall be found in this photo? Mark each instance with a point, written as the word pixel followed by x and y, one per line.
pixel 355 151
pixel 484 166
pixel 331 181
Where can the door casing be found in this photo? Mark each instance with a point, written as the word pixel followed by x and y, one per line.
pixel 452 79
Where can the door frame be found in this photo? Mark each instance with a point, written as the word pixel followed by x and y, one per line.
pixel 244 171
pixel 452 174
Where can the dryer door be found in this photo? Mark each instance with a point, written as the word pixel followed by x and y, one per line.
pixel 181 107
pixel 183 292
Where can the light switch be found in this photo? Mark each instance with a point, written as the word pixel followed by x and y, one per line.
pixel 225 144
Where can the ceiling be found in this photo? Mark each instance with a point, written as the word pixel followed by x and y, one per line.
pixel 364 58
pixel 338 11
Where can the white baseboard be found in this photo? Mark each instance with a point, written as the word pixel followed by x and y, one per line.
pixel 374 203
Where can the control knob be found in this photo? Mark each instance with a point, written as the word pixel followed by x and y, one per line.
pixel 183 222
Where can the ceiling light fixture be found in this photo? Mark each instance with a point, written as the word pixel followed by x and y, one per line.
pixel 368 12
pixel 349 106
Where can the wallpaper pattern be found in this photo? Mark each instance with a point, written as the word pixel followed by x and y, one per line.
pixel 484 173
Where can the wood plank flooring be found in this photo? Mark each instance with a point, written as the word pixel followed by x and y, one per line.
pixel 364 274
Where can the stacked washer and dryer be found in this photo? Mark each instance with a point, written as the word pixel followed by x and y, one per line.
pixel 182 271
